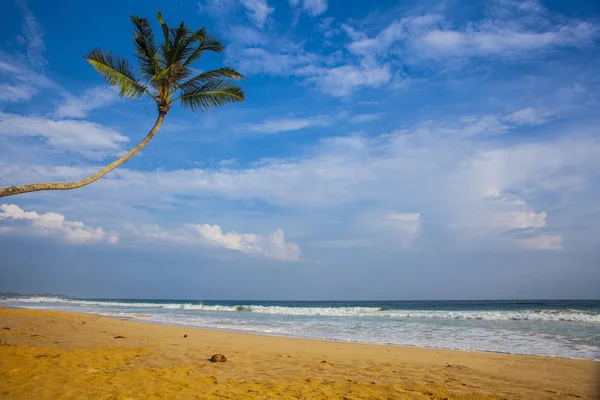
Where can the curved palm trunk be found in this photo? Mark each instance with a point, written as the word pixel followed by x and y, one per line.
pixel 35 187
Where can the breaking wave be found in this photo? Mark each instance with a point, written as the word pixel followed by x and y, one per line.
pixel 550 315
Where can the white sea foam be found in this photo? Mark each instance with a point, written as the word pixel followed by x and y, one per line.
pixel 566 315
pixel 538 332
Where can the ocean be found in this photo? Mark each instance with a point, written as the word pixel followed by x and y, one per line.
pixel 555 328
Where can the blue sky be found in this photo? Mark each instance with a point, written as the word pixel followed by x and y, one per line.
pixel 385 150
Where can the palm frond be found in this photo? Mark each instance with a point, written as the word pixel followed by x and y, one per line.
pixel 173 51
pixel 181 40
pixel 145 47
pixel 164 27
pixel 165 46
pixel 207 43
pixel 214 93
pixel 117 72
pixel 170 77
pixel 221 73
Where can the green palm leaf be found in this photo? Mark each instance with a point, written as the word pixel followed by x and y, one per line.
pixel 117 72
pixel 221 73
pixel 207 43
pixel 214 93
pixel 145 47
pixel 164 27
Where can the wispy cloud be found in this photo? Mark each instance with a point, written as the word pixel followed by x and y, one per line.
pixel 258 11
pixel 509 31
pixel 86 138
pixel 23 75
pixel 529 116
pixel 311 7
pixel 517 220
pixel 338 81
pixel 33 37
pixel 79 107
pixel 547 241
pixel 16 93
pixel 344 80
pixel 17 69
pixel 258 60
pixel 54 224
pixel 361 118
pixel 489 39
pixel 278 125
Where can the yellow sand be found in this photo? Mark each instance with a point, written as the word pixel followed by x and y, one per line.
pixel 52 355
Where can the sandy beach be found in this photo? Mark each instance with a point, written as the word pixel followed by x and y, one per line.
pixel 60 355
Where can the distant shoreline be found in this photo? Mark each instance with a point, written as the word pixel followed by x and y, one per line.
pixel 25 295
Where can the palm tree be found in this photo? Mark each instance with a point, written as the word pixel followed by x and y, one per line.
pixel 166 75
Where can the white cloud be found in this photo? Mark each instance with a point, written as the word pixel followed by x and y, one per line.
pixel 490 38
pixel 278 125
pixel 217 8
pixel 311 7
pixel 258 11
pixel 397 31
pixel 344 80
pixel 481 125
pixel 16 93
pixel 245 35
pixel 80 107
pixel 373 60
pixel 18 69
pixel 261 53
pixel 508 32
pixel 518 220
pixel 487 124
pixel 56 224
pixel 34 173
pixel 546 241
pixel 352 33
pixel 463 127
pixel 468 186
pixel 529 6
pixel 272 246
pixel 350 169
pixel 361 118
pixel 112 238
pixel 33 36
pixel 529 116
pixel 255 60
pixel 87 138
pixel 21 78
pixel 325 27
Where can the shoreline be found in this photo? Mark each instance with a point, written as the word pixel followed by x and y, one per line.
pixel 44 353
pixel 266 334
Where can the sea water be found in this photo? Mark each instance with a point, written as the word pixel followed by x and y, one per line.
pixel 555 328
